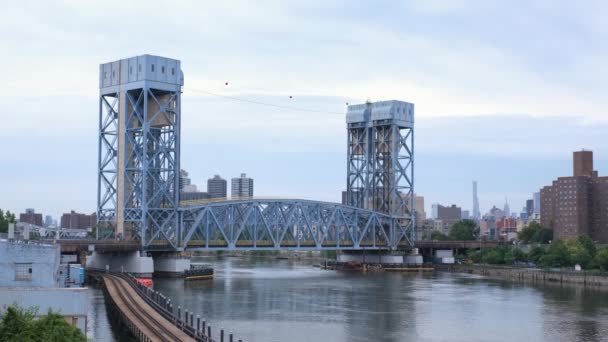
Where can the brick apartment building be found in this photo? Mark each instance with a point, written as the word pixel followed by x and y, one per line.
pixel 31 217
pixel 78 220
pixel 577 205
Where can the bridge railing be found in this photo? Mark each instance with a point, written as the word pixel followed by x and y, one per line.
pixel 185 320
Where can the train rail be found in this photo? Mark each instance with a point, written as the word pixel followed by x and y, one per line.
pixel 146 323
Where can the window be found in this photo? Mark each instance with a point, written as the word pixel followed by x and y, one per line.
pixel 139 68
pixel 172 71
pixel 152 67
pixel 130 69
pixel 113 74
pixel 162 69
pixel 23 271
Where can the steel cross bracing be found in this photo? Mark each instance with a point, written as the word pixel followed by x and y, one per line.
pixel 107 159
pixel 267 224
pixel 151 165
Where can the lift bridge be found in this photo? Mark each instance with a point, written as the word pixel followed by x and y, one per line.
pixel 139 163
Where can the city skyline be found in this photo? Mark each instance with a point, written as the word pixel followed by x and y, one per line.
pixel 499 125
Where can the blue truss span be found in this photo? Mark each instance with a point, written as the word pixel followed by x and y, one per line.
pixel 270 224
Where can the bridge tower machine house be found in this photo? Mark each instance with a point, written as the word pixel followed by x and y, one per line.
pixel 380 159
pixel 139 148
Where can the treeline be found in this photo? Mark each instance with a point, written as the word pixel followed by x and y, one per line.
pixel 5 219
pixel 580 251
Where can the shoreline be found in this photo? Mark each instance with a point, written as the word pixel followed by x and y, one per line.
pixel 530 275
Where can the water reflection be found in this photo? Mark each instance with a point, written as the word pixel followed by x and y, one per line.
pixel 279 300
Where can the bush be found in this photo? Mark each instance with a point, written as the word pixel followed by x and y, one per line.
pixel 601 259
pixel 20 325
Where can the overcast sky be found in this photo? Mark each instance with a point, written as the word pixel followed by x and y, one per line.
pixel 504 91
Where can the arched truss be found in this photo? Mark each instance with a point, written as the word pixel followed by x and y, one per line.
pixel 268 224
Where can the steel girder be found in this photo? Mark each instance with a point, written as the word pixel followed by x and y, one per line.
pixel 107 181
pixel 288 224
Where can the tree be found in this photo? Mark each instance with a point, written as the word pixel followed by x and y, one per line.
pixel 464 230
pixel 437 235
pixel 5 219
pixel 588 244
pixel 535 254
pixel 494 256
pixel 601 259
pixel 535 233
pixel 17 324
pixel 557 255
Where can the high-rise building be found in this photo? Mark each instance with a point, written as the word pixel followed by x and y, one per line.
pixel 184 180
pixel 217 187
pixel 30 216
pixel 78 220
pixel 577 205
pixel 476 213
pixel 465 215
pixel 48 220
pixel 506 209
pixel 242 187
pixel 445 217
pixel 536 198
pixel 530 207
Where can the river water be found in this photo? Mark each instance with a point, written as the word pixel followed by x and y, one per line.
pixel 271 300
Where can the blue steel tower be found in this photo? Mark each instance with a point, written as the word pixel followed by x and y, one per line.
pixel 139 149
pixel 380 159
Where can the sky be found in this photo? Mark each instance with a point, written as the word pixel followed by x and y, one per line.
pixel 504 91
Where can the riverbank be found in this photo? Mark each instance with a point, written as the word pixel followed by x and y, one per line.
pixel 530 275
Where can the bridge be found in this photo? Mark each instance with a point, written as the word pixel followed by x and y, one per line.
pixel 138 176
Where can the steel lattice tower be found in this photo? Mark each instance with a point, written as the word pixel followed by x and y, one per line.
pixel 380 159
pixel 139 150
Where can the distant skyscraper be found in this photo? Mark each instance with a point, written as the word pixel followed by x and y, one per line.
pixel 530 207
pixel 465 215
pixel 536 198
pixel 242 186
pixel 48 220
pixel 476 213
pixel 506 210
pixel 217 187
pixel 184 180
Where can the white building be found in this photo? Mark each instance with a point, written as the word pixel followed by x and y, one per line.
pixel 242 187
pixel 32 276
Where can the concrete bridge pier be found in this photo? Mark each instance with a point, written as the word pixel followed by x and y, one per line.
pixel 133 262
pixel 171 264
pixel 379 257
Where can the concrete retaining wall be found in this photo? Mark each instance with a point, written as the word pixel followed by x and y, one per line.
pixel 530 275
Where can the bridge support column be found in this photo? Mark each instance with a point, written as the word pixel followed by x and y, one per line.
pixel 132 262
pixel 171 264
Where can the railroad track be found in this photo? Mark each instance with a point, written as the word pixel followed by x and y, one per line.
pixel 161 329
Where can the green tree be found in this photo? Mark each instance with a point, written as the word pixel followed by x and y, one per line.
pixel 437 235
pixel 535 233
pixel 557 255
pixel 601 258
pixel 588 244
pixel 474 255
pixel 17 324
pixel 494 256
pixel 535 254
pixel 464 230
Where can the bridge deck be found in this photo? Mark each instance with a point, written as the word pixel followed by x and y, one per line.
pixel 147 321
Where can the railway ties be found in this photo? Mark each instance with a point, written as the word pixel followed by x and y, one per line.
pixel 143 320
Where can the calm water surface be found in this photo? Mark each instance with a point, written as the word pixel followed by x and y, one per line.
pixel 279 300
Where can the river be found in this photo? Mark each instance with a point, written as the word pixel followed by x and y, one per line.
pixel 270 300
